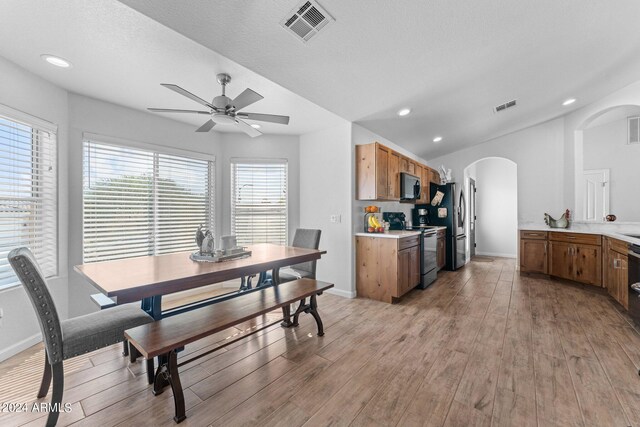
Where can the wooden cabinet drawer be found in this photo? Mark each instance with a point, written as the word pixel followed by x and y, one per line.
pixel 407 242
pixel 580 238
pixel 542 235
pixel 617 245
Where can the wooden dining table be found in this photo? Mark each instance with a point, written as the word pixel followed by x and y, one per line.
pixel 148 278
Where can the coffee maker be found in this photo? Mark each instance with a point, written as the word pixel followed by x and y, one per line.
pixel 420 216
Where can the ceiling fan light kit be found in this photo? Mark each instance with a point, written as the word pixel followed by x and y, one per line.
pixel 224 110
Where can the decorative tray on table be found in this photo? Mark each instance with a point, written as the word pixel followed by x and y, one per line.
pixel 221 255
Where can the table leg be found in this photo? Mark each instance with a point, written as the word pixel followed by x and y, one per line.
pixel 153 306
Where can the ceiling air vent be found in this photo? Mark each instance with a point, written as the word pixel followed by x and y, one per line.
pixel 306 20
pixel 504 106
pixel 634 130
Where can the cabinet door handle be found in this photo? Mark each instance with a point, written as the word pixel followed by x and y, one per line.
pixel 545 248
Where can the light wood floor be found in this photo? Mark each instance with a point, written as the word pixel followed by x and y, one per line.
pixel 482 346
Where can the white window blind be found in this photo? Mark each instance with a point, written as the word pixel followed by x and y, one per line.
pixel 28 195
pixel 140 202
pixel 259 201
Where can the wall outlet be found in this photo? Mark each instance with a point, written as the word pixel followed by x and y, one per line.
pixel 335 218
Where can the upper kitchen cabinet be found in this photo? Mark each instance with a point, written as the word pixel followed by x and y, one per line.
pixel 434 177
pixel 377 169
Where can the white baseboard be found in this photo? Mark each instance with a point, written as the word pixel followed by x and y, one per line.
pixel 341 293
pixel 496 254
pixel 6 353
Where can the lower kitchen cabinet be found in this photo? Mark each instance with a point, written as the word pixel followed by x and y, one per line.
pixel 533 252
pixel 615 270
pixel 577 262
pixel 387 268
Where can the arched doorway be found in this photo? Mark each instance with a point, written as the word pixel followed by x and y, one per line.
pixel 492 185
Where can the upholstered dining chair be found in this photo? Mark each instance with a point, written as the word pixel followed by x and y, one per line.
pixel 68 338
pixel 304 238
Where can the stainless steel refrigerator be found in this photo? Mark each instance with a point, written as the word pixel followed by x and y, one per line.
pixel 450 212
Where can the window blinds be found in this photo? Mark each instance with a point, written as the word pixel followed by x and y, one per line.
pixel 259 201
pixel 139 202
pixel 28 195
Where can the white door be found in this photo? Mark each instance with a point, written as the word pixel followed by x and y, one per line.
pixel 596 194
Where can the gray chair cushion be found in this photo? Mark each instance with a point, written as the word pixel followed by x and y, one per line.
pixel 87 333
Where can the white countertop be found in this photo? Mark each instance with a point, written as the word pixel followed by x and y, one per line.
pixel 396 234
pixel 619 233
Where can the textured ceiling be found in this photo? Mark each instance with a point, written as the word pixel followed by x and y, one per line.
pixel 450 61
pixel 121 56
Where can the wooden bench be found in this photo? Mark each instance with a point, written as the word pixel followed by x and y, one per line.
pixel 164 337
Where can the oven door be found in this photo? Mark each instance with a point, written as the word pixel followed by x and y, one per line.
pixel 634 283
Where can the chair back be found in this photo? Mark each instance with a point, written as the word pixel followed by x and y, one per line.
pixel 309 239
pixel 26 268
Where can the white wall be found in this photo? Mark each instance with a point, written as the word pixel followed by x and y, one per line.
pixel 265 146
pixel 496 207
pixel 538 152
pixel 21 90
pixel 605 147
pixel 327 188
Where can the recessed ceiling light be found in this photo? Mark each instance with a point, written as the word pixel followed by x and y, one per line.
pixel 255 126
pixel 404 112
pixel 569 101
pixel 56 60
pixel 437 139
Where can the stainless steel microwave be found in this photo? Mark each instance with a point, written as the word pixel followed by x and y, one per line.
pixel 409 187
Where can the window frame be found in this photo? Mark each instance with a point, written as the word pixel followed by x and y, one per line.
pixel 41 125
pixel 257 161
pixel 155 150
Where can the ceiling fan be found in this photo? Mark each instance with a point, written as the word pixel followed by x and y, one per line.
pixel 224 110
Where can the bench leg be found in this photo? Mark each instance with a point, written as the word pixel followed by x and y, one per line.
pixel 301 309
pixel 150 371
pixel 313 310
pixel 167 374
pixel 133 353
pixel 286 315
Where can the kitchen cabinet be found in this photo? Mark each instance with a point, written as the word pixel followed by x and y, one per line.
pixel 533 252
pixel 434 176
pixel 387 268
pixel 441 249
pixel 377 170
pixel 615 270
pixel 393 181
pixel 407 166
pixel 378 173
pixel 576 257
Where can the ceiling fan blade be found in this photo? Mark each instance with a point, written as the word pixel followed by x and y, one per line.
pixel 171 110
pixel 246 128
pixel 207 126
pixel 272 118
pixel 246 98
pixel 186 93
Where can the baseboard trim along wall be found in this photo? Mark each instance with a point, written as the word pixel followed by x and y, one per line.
pixel 341 293
pixel 10 351
pixel 496 254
